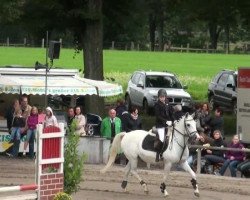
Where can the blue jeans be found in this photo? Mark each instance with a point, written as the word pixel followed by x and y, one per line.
pixel 15 136
pixel 232 166
pixel 212 159
pixel 15 133
pixel 31 139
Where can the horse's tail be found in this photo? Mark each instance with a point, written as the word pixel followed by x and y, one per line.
pixel 115 148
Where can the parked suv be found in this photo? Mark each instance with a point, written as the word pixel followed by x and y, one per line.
pixel 143 87
pixel 222 91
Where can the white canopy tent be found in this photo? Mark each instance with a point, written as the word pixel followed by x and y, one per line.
pixel 59 82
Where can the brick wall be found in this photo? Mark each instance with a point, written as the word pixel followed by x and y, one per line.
pixel 50 185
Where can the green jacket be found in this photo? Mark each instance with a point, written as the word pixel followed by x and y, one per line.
pixel 106 127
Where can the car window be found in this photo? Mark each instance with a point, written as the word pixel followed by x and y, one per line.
pixel 141 79
pixel 223 80
pixel 135 78
pixel 155 81
pixel 230 80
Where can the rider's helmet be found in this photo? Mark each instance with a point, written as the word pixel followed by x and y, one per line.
pixel 162 92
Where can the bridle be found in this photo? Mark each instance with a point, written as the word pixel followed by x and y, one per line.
pixel 185 136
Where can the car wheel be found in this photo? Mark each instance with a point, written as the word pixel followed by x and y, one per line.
pixel 235 107
pixel 90 130
pixel 128 102
pixel 211 103
pixel 145 107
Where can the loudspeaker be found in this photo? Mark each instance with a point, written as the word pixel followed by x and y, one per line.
pixel 54 49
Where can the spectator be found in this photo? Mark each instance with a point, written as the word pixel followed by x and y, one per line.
pixel 215 156
pixel 233 158
pixel 50 119
pixel 18 124
pixel 244 168
pixel 110 125
pixel 26 108
pixel 216 123
pixel 133 122
pixel 32 121
pixel 204 116
pixel 120 108
pixel 9 115
pixel 178 113
pixel 70 118
pixel 41 116
pixel 80 121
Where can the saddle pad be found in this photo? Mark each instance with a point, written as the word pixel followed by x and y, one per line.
pixel 148 143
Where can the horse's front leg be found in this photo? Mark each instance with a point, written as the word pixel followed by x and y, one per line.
pixel 194 183
pixel 167 167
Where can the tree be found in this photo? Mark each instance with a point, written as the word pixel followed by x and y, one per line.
pixel 82 17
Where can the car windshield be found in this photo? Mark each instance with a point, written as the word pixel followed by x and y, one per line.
pixel 156 81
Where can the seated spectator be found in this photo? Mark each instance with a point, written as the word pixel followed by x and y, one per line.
pixel 133 122
pixel 110 125
pixel 32 121
pixel 18 124
pixel 233 158
pixel 244 168
pixel 215 156
pixel 80 121
pixel 50 119
pixel 9 115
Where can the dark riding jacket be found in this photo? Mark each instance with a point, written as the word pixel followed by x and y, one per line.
pixel 163 113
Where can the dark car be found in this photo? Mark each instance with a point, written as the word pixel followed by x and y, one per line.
pixel 222 90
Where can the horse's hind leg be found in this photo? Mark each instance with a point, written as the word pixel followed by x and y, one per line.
pixel 134 172
pixel 194 183
pixel 125 179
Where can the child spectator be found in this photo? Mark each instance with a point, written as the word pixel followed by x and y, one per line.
pixel 18 124
pixel 50 119
pixel 233 158
pixel 32 121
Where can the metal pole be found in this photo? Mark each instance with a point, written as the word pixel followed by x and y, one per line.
pixel 46 70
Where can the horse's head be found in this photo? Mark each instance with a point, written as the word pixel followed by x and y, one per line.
pixel 189 128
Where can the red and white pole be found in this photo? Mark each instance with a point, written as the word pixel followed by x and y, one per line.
pixel 19 188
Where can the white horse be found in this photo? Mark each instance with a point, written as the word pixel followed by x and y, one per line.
pixel 177 152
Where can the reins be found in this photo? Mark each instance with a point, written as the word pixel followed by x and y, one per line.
pixel 184 137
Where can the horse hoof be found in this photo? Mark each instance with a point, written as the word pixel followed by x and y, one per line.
pixel 146 191
pixel 197 194
pixel 166 193
pixel 125 190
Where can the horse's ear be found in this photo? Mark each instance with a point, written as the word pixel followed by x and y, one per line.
pixel 193 115
pixel 186 115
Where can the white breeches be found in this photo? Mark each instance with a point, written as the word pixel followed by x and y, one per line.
pixel 161 133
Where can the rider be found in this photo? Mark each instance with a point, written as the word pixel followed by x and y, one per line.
pixel 163 113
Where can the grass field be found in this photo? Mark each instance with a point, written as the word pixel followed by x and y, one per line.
pixel 193 69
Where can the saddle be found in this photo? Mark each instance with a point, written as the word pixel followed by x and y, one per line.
pixel 151 142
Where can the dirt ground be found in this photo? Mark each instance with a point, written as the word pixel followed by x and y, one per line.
pixel 96 186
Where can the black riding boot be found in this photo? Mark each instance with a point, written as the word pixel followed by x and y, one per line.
pixel 158 147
